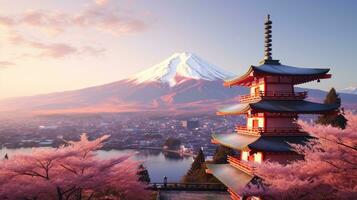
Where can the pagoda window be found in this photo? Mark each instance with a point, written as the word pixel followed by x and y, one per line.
pixel 279 88
pixel 258 157
pixel 255 123
pixel 256 91
pixel 245 155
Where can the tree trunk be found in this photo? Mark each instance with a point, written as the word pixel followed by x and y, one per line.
pixel 59 194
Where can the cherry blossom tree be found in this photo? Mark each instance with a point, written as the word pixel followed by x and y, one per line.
pixel 328 171
pixel 72 171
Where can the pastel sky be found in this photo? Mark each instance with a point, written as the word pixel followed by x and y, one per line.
pixel 49 46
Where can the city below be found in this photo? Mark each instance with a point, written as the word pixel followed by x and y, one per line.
pixel 127 131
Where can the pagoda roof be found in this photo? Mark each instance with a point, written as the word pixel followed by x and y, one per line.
pixel 233 178
pixel 277 69
pixel 260 143
pixel 278 106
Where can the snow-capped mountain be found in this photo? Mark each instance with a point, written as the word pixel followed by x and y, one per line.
pixel 182 83
pixel 180 67
pixel 349 90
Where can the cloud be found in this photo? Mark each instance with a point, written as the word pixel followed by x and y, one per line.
pixel 102 16
pixel 52 50
pixel 55 50
pixel 109 21
pixel 92 51
pixel 52 22
pixel 101 2
pixel 6 21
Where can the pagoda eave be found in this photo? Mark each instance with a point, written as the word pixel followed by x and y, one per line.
pixel 300 75
pixel 293 106
pixel 235 179
pixel 278 106
pixel 272 144
pixel 236 109
pixel 244 80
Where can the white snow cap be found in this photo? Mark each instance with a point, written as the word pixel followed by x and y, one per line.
pixel 349 90
pixel 180 67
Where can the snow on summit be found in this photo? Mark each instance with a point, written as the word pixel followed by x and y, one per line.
pixel 349 90
pixel 180 67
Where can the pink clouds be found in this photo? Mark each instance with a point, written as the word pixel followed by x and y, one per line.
pixel 51 21
pixel 6 21
pixel 102 16
pixel 105 18
pixel 92 50
pixel 101 2
pixel 55 50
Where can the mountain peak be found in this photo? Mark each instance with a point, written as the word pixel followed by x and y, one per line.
pixel 180 67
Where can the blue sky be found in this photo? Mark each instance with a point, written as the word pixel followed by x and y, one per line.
pixel 89 42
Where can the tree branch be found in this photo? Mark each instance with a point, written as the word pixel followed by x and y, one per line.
pixel 340 143
pixel 69 169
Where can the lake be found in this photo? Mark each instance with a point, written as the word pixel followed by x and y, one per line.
pixel 158 163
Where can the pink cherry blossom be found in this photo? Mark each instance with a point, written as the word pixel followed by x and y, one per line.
pixel 72 171
pixel 328 171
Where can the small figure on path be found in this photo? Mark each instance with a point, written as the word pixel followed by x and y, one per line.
pixel 165 181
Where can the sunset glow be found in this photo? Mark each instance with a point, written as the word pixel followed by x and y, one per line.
pixel 64 45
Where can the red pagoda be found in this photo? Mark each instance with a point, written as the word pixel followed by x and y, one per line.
pixel 271 109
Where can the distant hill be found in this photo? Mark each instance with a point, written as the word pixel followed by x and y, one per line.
pixel 349 90
pixel 182 83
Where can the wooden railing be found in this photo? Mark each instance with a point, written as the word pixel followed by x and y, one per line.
pixel 236 162
pixel 188 186
pixel 283 130
pixel 249 131
pixel 273 95
pixel 234 195
pixel 270 130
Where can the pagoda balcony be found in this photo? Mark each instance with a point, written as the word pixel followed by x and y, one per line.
pixel 241 165
pixel 273 95
pixel 249 131
pixel 270 131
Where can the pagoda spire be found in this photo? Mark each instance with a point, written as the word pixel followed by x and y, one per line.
pixel 268 59
pixel 268 25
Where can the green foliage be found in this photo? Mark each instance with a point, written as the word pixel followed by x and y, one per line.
pixel 335 118
pixel 339 121
pixel 143 174
pixel 332 97
pixel 197 163
pixel 220 156
pixel 197 172
pixel 173 143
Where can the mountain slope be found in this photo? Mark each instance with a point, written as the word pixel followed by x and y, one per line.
pixel 182 83
pixel 180 67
